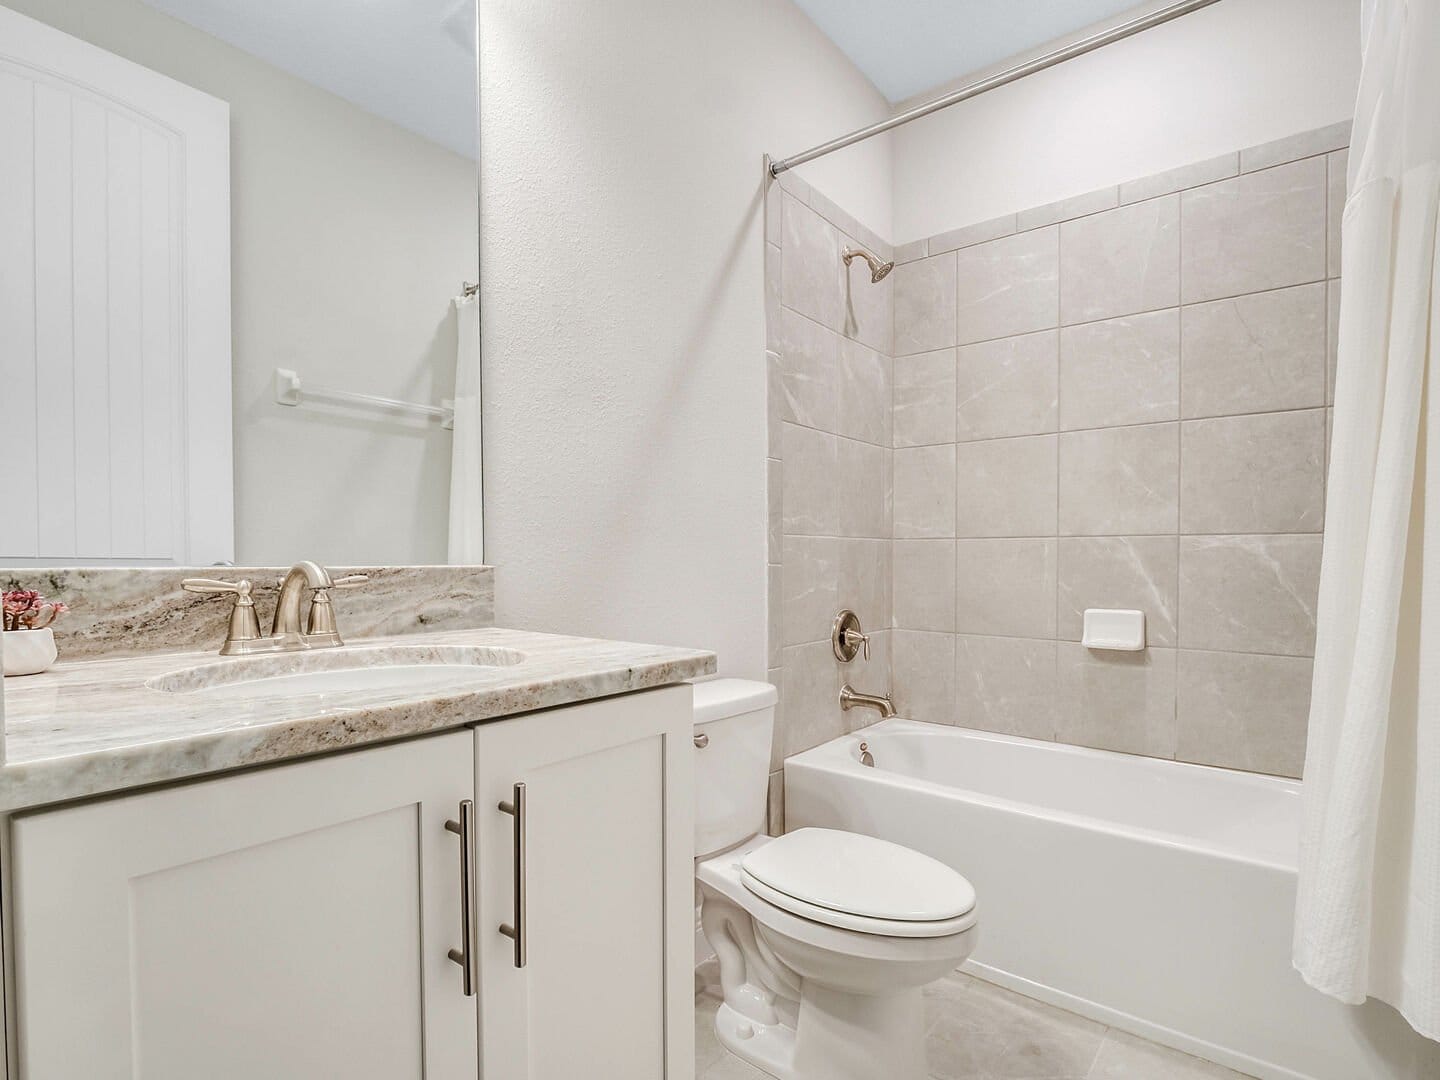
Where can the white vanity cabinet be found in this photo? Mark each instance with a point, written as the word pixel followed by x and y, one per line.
pixel 294 922
pixel 285 923
pixel 606 912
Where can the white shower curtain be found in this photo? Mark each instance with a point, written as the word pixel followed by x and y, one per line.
pixel 467 530
pixel 1368 909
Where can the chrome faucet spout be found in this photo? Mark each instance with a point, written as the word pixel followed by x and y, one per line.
pixel 850 698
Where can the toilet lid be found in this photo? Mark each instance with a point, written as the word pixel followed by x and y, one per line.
pixel 858 875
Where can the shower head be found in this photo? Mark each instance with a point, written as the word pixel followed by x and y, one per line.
pixel 877 269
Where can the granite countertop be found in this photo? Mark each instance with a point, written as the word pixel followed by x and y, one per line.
pixel 95 727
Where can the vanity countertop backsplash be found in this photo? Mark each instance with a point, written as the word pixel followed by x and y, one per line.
pixel 138 611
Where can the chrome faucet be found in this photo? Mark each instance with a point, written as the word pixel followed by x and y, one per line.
pixel 286 634
pixel 850 698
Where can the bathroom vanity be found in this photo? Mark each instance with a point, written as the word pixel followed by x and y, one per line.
pixel 311 865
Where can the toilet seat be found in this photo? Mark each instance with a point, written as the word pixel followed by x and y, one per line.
pixel 859 883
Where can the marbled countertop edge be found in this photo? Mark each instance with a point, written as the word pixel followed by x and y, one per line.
pixel 95 728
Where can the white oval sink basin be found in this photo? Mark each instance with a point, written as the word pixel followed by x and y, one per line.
pixel 414 670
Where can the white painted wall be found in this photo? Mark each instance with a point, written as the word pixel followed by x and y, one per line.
pixel 1234 74
pixel 350 236
pixel 624 331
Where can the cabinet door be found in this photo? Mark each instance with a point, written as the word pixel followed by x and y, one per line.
pixel 290 923
pixel 607 990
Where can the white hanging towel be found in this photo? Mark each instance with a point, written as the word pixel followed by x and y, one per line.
pixel 467 525
pixel 1367 921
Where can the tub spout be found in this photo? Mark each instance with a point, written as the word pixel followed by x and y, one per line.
pixel 851 698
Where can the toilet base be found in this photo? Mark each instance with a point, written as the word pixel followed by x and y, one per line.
pixel 838 1036
pixel 769 1047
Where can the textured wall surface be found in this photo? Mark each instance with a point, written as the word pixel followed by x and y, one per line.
pixel 1120 400
pixel 1238 73
pixel 623 255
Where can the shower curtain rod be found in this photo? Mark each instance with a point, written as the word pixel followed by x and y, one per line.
pixel 1009 75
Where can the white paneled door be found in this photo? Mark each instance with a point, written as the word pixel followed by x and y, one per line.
pixel 114 309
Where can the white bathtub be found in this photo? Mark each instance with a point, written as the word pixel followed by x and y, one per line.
pixel 1151 895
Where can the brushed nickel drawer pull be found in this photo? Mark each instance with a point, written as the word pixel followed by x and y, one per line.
pixel 464 956
pixel 516 808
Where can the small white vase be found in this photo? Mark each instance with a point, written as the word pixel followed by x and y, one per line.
pixel 27 652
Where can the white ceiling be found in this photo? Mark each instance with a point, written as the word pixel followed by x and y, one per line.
pixel 907 46
pixel 409 61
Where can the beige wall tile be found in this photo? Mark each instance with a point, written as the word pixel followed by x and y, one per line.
pixel 810 266
pixel 1120 481
pixel 1006 588
pixel 775 613
pixel 1249 593
pixel 1242 711
pixel 1117 701
pixel 775 677
pixel 1255 353
pixel 775 805
pixel 970 235
pixel 772 297
pixel 810 690
pixel 1092 202
pixel 923 685
pixel 1336 165
pixel 1332 336
pixel 1006 685
pixel 1139 572
pixel 1293 147
pixel 925 398
pixel 811 576
pixel 809 371
pixel 1007 387
pixel 1007 286
pixel 925 585
pixel 915 249
pixel 925 492
pixel 1006 487
pixel 774 403
pixel 864 394
pixel 774 485
pixel 864 583
pixel 1120 371
pixel 1120 262
pixel 1253 474
pixel 1258 231
pixel 1186 176
pixel 863 475
pixel 924 304
pixel 811 494
pixel 774 193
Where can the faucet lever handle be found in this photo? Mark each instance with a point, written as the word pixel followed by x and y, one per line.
pixel 211 585
pixel 349 581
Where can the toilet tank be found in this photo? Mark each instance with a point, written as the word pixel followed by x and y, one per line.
pixel 735 720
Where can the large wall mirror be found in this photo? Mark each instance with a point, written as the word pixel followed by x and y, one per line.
pixel 235 239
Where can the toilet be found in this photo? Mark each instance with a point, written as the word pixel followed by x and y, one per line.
pixel 824 938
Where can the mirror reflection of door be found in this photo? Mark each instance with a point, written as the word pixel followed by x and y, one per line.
pixel 163 268
pixel 114 310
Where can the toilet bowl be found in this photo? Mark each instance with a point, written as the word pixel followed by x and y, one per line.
pixel 824 938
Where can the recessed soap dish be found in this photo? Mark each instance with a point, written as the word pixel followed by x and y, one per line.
pixel 1114 628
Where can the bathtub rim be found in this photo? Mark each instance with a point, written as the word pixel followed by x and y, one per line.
pixel 835 756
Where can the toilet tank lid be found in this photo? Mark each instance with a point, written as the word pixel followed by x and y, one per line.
pixel 715 699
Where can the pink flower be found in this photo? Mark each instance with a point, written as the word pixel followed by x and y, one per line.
pixel 26 609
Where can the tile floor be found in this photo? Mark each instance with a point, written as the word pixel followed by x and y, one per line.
pixel 980 1032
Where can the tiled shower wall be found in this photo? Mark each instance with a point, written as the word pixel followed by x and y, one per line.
pixel 829 470
pixel 1121 400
